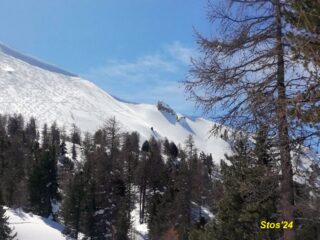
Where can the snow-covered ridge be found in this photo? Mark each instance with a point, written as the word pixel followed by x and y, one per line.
pixel 32 88
pixel 33 61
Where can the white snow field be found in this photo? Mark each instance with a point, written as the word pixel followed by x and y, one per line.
pixel 32 227
pixel 32 88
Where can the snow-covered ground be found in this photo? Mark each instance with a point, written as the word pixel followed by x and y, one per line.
pixel 32 227
pixel 141 230
pixel 32 88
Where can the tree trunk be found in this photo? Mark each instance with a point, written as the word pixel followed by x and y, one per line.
pixel 142 203
pixel 287 195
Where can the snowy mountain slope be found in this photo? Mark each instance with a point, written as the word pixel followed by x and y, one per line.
pixel 32 227
pixel 33 61
pixel 32 88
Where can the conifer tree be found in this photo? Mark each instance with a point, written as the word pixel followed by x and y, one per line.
pixel 31 132
pixel 112 136
pixel 74 152
pixel 62 151
pixel 4 145
pixel 45 137
pixel 129 156
pixel 13 180
pixel 249 197
pixel 248 70
pixel 173 150
pixel 43 185
pixel 157 179
pixel 141 179
pixel 6 233
pixel 32 144
pixel 106 208
pixel 89 226
pixel 182 204
pixel 75 135
pixel 104 201
pixel 73 205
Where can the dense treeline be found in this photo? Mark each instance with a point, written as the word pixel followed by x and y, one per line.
pixel 251 194
pixel 98 180
pixel 28 166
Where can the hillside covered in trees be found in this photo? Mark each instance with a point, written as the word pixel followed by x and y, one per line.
pixel 79 164
pixel 103 177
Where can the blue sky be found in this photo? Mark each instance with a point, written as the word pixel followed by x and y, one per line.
pixel 137 50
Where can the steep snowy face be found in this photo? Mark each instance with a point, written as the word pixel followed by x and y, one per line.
pixel 32 88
